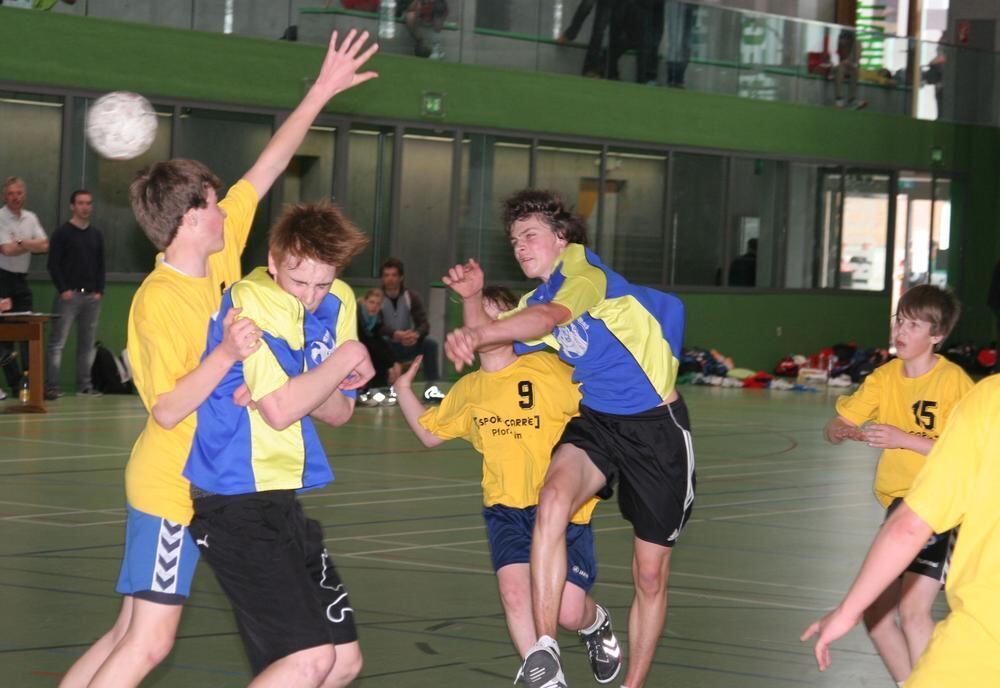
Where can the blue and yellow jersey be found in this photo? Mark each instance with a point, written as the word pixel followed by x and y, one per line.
pixel 513 417
pixel 622 340
pixel 234 450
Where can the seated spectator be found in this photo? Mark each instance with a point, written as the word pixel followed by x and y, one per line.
pixel 849 56
pixel 420 13
pixel 369 323
pixel 405 324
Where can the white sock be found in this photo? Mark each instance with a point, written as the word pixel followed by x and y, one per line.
pixel 547 641
pixel 598 620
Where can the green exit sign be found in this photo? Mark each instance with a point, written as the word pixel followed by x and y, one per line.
pixel 937 155
pixel 432 104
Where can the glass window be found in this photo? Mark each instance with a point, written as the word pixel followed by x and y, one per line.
pixel 631 238
pixel 229 143
pixel 493 169
pixel 309 176
pixel 368 196
pixel 127 250
pixel 696 202
pixel 803 226
pixel 941 234
pixel 756 221
pixel 865 231
pixel 30 139
pixel 573 171
pixel 424 208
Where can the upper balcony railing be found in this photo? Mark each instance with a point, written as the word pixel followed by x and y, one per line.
pixel 668 43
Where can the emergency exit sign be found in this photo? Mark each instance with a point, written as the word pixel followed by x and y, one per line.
pixel 432 104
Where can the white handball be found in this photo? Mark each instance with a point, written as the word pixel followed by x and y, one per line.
pixel 121 125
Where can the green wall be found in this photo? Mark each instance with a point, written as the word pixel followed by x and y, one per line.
pixel 69 52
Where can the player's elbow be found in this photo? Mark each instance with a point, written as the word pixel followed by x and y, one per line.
pixel 164 418
pixel 431 441
pixel 271 411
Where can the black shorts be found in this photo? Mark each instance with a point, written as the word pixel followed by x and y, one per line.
pixel 650 457
pixel 270 561
pixel 934 558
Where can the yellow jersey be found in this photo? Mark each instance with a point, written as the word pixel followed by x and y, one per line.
pixel 167 333
pixel 513 417
pixel 960 486
pixel 917 405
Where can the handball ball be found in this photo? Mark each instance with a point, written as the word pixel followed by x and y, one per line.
pixel 121 125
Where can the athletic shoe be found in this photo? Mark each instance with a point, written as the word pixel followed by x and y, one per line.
pixel 602 650
pixel 89 392
pixel 433 394
pixel 389 398
pixel 368 398
pixel 541 669
pixel 51 394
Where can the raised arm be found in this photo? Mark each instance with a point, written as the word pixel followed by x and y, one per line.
pixel 531 323
pixel 467 281
pixel 338 73
pixel 412 408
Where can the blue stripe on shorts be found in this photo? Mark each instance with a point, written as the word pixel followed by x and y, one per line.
pixel 159 560
pixel 509 533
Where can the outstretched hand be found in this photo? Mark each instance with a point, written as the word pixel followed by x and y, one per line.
pixel 405 381
pixel 341 64
pixel 465 280
pixel 831 627
pixel 460 346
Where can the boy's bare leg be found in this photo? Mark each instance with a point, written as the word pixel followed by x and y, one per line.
pixel 650 570
pixel 303 669
pixel 82 672
pixel 886 635
pixel 915 602
pixel 577 609
pixel 514 584
pixel 571 480
pixel 146 643
pixel 346 667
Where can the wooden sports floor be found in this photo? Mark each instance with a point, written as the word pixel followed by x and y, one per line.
pixel 781 523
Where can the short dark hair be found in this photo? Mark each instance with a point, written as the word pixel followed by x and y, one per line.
pixel 72 196
pixel 393 263
pixel 548 207
pixel 931 304
pixel 319 231
pixel 163 192
pixel 502 296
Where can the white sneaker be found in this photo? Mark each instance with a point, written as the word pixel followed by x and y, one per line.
pixel 541 668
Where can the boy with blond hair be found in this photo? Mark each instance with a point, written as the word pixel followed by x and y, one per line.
pixel 901 408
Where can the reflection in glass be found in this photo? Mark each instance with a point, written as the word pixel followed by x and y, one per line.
pixel 696 219
pixel 368 196
pixel 631 239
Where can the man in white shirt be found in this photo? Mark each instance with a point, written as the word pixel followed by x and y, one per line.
pixel 20 235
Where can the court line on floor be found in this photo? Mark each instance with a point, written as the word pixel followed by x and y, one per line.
pixel 66 457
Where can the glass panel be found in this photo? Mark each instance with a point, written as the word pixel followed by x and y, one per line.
pixel 632 232
pixel 30 139
pixel 492 170
pixel 696 219
pixel 572 171
pixel 368 196
pixel 127 250
pixel 309 176
pixel 230 143
pixel 827 248
pixel 941 235
pixel 756 221
pixel 424 207
pixel 803 227
pixel 864 232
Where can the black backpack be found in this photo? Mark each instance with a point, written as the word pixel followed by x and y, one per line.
pixel 109 374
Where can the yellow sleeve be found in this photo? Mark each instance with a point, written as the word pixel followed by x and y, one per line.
pixel 579 294
pixel 863 405
pixel 162 349
pixel 262 372
pixel 347 319
pixel 452 419
pixel 942 490
pixel 240 205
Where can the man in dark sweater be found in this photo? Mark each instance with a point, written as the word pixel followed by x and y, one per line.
pixel 76 264
pixel 404 321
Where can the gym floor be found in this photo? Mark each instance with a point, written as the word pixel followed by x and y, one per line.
pixel 781 524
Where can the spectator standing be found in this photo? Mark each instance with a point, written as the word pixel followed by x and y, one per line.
pixel 404 321
pixel 76 265
pixel 743 269
pixel 21 234
pixel 848 65
pixel 680 24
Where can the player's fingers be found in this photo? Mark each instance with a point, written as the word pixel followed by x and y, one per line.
pixel 822 656
pixel 358 45
pixel 346 45
pixel 810 632
pixel 362 78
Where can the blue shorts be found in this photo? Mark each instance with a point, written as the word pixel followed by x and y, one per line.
pixel 509 532
pixel 159 560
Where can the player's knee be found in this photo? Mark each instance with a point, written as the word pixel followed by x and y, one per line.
pixel 515 597
pixel 570 619
pixel 913 615
pixel 650 580
pixel 345 669
pixel 155 648
pixel 553 506
pixel 311 667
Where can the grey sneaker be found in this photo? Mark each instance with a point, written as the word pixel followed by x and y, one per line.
pixel 89 392
pixel 541 669
pixel 603 651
